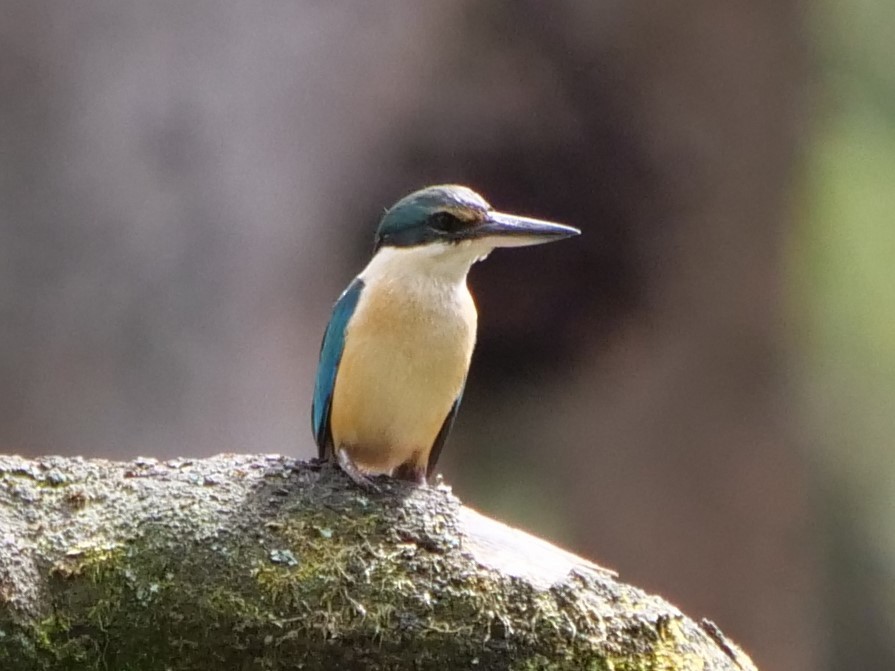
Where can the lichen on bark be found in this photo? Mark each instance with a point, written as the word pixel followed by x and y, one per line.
pixel 254 562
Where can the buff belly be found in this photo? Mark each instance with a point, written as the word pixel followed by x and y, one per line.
pixel 404 363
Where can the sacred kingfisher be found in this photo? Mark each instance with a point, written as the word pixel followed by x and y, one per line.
pixel 395 354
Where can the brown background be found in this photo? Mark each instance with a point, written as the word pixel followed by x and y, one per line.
pixel 186 187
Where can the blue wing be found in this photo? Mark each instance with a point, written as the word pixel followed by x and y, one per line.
pixel 443 434
pixel 330 355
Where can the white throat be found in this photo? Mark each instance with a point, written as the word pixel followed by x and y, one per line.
pixel 440 262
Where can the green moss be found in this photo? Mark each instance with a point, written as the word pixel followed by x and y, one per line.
pixel 324 575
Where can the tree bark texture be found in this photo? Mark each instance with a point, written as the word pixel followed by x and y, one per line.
pixel 263 562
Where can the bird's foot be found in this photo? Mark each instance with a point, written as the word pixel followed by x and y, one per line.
pixel 354 473
pixel 411 472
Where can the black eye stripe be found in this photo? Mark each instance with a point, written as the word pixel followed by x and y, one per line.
pixel 447 222
pixel 441 226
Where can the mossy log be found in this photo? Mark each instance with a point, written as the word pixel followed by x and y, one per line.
pixel 254 562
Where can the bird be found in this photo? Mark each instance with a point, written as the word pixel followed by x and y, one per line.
pixel 396 352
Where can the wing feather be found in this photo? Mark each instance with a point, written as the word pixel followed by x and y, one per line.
pixel 443 434
pixel 330 355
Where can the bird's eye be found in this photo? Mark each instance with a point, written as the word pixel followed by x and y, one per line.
pixel 447 222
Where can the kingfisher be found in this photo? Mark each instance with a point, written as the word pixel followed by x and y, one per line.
pixel 396 352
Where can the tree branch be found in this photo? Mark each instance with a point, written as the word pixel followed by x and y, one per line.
pixel 254 562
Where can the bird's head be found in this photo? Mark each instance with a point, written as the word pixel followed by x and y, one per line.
pixel 456 220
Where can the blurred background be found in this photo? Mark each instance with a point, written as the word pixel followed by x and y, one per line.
pixel 698 392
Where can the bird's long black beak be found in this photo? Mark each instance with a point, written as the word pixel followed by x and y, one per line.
pixel 509 230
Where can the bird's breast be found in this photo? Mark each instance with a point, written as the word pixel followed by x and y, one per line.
pixel 407 351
